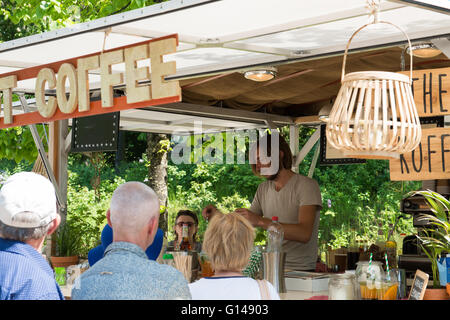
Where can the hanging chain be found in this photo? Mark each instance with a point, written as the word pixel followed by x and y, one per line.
pixel 374 8
pixel 107 32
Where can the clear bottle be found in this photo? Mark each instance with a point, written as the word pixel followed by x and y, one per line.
pixel 275 236
pixel 168 259
pixel 185 245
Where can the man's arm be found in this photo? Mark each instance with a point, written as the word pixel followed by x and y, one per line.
pixel 300 231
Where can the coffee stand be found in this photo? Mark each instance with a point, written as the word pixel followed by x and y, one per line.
pixel 190 77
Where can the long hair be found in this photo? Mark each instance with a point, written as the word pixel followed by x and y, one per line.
pixel 265 143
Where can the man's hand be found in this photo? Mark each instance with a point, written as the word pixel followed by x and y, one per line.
pixel 252 217
pixel 209 211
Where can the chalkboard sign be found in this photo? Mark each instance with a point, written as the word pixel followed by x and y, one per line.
pixel 418 286
pixel 95 133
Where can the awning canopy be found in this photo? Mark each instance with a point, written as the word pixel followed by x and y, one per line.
pixel 219 40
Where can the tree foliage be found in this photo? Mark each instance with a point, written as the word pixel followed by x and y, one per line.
pixel 53 14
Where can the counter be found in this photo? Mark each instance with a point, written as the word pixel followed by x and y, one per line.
pixel 303 295
pixel 289 295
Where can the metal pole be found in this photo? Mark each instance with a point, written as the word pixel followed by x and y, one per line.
pixel 41 150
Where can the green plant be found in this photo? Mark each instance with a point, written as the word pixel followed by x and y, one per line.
pixel 436 238
pixel 66 241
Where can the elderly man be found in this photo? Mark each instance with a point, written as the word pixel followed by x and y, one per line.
pixel 125 272
pixel 27 215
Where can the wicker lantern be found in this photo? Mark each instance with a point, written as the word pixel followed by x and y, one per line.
pixel 374 115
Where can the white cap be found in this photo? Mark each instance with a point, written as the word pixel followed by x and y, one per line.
pixel 31 193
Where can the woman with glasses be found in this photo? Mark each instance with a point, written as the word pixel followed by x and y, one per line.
pixel 189 219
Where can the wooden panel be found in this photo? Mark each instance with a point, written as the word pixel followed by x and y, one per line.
pixel 431 89
pixel 65 107
pixel 429 161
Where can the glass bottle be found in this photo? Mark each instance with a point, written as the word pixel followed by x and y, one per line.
pixel 185 245
pixel 379 249
pixel 168 259
pixel 391 252
pixel 352 252
pixel 275 235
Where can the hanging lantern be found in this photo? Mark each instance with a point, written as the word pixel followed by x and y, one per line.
pixel 374 115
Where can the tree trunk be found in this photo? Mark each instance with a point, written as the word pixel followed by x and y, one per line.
pixel 157 172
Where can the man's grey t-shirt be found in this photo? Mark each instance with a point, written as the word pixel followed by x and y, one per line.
pixel 298 191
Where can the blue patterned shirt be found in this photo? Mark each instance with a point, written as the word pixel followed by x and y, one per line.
pixel 24 273
pixel 126 273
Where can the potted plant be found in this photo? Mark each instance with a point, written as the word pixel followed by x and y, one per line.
pixel 66 247
pixel 435 239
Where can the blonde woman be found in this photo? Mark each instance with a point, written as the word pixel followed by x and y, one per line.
pixel 228 243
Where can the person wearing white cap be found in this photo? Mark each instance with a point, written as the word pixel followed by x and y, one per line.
pixel 28 213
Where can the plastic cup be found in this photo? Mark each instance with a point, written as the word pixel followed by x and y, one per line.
pixel 205 265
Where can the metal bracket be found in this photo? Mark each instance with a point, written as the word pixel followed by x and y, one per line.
pixel 307 147
pixel 314 161
pixel 41 150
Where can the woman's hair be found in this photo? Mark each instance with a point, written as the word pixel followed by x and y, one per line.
pixel 188 213
pixel 265 143
pixel 228 241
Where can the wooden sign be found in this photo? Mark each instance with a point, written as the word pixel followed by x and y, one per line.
pixel 431 90
pixel 74 71
pixel 418 286
pixel 429 161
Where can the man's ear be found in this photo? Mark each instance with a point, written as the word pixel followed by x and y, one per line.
pixel 108 217
pixel 154 225
pixel 55 224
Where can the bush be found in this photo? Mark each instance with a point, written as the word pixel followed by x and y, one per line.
pixel 86 212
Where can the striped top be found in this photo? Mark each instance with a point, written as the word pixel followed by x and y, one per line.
pixel 25 274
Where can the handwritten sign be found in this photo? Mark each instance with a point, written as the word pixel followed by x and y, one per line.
pixel 429 161
pixel 418 286
pixel 431 90
pixel 76 102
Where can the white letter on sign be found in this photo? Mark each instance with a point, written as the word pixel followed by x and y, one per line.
pixel 161 88
pixel 46 110
pixel 109 80
pixel 6 85
pixel 84 65
pixel 68 71
pixel 136 93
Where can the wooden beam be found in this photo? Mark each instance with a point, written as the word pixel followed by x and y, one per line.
pixel 308 120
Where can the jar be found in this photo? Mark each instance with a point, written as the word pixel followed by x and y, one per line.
pixel 370 275
pixel 342 287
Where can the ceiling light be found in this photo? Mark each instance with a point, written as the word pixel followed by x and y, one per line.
pixel 262 74
pixel 424 50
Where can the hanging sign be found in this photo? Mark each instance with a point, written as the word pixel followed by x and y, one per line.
pixel 431 90
pixel 429 161
pixel 76 102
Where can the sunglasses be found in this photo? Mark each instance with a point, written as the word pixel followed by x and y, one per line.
pixel 189 224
